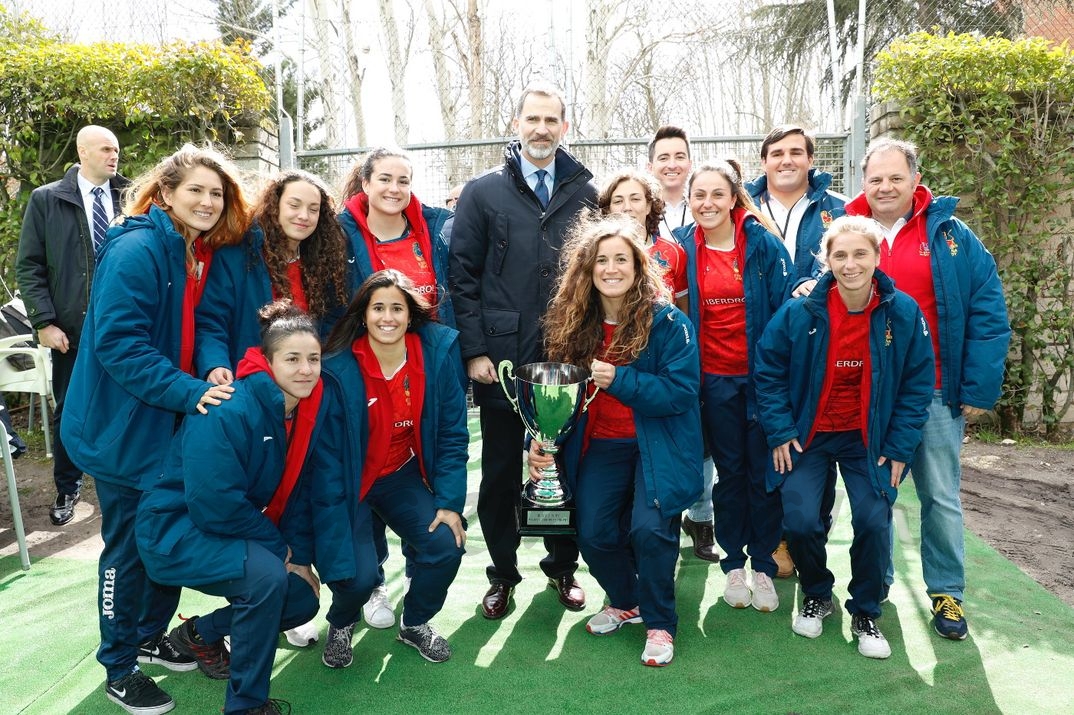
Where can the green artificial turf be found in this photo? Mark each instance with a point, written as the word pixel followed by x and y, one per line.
pixel 539 659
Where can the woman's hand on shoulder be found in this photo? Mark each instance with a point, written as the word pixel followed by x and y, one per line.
pixel 215 395
pixel 220 376
pixel 453 522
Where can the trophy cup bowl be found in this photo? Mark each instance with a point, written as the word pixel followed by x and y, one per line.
pixel 549 397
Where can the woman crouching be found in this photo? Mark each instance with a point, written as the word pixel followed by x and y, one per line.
pixel 399 449
pixel 230 516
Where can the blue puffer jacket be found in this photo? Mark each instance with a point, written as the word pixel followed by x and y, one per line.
pixel 792 360
pixel 237 286
pixel 439 222
pixel 338 457
pixel 127 390
pixel 974 330
pixel 767 278
pixel 823 207
pixel 661 387
pixel 222 469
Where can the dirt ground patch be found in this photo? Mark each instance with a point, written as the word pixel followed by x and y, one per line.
pixel 1016 498
pixel 1019 500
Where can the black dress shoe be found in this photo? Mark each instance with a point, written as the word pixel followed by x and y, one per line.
pixel 497 601
pixel 63 509
pixel 704 539
pixel 571 594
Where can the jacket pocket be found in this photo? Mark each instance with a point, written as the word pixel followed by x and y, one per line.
pixel 501 231
pixel 501 333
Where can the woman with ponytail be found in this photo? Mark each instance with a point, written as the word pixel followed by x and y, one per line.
pixel 230 516
pixel 388 227
pixel 739 274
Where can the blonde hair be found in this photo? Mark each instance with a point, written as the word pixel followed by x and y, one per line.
pixel 860 225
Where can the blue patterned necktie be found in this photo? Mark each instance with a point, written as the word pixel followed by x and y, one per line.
pixel 541 189
pixel 100 219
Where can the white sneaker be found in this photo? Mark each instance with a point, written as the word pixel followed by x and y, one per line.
pixel 304 635
pixel 659 648
pixel 612 619
pixel 871 642
pixel 765 598
pixel 810 620
pixel 377 611
pixel 736 592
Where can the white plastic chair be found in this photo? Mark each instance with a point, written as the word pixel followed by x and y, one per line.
pixel 13 495
pixel 35 380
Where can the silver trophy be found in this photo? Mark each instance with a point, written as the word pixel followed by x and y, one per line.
pixel 549 397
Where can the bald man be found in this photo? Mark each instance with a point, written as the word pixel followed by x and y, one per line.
pixel 55 265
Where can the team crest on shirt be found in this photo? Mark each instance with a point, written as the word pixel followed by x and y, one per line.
pixel 664 263
pixel 826 218
pixel 923 249
pixel 952 246
pixel 422 265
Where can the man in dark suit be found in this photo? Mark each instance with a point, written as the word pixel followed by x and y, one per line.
pixel 63 227
pixel 510 224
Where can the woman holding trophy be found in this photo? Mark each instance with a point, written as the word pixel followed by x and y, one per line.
pixel 634 460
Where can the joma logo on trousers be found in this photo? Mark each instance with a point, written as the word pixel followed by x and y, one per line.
pixel 108 593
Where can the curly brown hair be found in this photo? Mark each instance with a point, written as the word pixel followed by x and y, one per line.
pixel 652 196
pixel 573 323
pixel 323 253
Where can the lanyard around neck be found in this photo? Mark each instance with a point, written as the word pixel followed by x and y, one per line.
pixel 786 223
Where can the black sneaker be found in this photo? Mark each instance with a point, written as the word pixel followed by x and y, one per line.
pixel 213 658
pixel 63 509
pixel 161 651
pixel 138 694
pixel 948 618
pixel 271 706
pixel 428 642
pixel 337 647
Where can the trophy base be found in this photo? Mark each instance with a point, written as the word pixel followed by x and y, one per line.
pixel 536 520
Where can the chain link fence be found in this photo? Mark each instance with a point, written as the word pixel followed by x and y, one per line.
pixel 438 167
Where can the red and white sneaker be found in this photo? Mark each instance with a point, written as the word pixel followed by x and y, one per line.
pixel 659 648
pixel 612 619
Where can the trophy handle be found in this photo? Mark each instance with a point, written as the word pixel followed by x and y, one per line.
pixel 585 405
pixel 506 366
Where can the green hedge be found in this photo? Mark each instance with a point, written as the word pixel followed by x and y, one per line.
pixel 154 97
pixel 993 120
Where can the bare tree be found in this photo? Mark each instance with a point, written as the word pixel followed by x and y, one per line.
pixel 397 54
pixel 322 17
pixel 356 73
